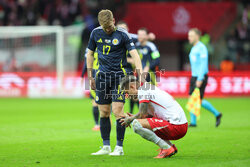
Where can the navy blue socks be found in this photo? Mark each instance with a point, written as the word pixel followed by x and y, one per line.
pixel 105 128
pixel 120 131
pixel 96 115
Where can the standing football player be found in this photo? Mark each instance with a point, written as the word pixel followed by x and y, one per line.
pixel 130 62
pixel 92 92
pixel 199 66
pixel 150 55
pixel 160 117
pixel 111 43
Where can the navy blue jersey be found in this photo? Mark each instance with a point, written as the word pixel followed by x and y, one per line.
pixel 150 55
pixel 111 48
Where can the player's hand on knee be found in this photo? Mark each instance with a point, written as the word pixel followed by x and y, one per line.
pixel 129 114
pixel 125 121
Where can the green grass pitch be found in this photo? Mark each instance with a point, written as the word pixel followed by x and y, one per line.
pixel 57 133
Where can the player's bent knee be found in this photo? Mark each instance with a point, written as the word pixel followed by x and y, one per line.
pixel 119 114
pixel 104 113
pixel 136 125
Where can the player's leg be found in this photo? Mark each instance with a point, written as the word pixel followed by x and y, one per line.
pixel 105 125
pixel 117 109
pixel 131 106
pixel 105 128
pixel 172 145
pixel 144 129
pixel 193 120
pixel 104 106
pixel 118 100
pixel 95 111
pixel 96 116
pixel 207 105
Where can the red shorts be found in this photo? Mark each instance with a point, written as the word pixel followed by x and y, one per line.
pixel 166 130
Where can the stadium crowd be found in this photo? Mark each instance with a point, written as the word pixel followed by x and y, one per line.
pixel 68 12
pixel 238 39
pixel 46 12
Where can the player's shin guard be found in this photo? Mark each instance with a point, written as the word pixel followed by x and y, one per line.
pixel 210 107
pixel 105 128
pixel 120 132
pixel 96 115
pixel 149 135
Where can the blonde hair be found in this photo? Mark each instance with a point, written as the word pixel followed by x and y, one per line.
pixel 196 30
pixel 105 17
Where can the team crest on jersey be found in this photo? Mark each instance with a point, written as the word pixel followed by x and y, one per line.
pixel 144 51
pixel 107 40
pixel 96 98
pixel 115 41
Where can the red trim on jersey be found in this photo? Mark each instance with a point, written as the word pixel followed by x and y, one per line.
pixel 143 101
pixel 157 104
pixel 147 101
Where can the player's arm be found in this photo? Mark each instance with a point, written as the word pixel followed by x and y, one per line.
pixel 90 60
pixel 130 46
pixel 84 69
pixel 203 66
pixel 137 60
pixel 143 112
pixel 130 60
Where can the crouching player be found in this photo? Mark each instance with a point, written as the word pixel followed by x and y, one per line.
pixel 160 118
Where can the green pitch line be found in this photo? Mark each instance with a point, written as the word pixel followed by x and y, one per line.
pixel 57 133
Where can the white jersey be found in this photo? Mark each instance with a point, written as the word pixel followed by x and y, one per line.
pixel 161 104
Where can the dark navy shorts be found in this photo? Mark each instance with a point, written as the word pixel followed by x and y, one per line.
pixel 108 88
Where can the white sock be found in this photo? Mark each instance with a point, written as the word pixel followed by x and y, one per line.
pixel 163 144
pixel 149 135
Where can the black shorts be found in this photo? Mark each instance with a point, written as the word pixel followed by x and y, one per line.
pixel 108 89
pixel 193 85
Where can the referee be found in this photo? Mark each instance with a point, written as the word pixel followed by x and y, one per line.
pixel 199 66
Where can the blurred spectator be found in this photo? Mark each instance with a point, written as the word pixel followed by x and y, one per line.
pixel 246 15
pixel 238 40
pixel 231 40
pixel 52 12
pixel 33 12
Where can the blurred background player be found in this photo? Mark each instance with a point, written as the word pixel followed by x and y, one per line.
pixel 160 117
pixel 92 92
pixel 150 55
pixel 111 44
pixel 199 66
pixel 130 62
